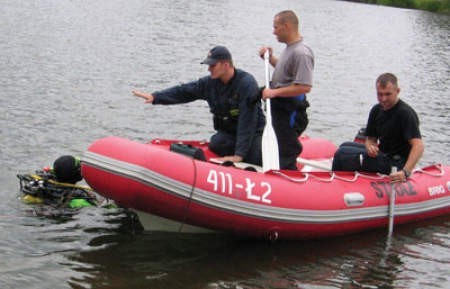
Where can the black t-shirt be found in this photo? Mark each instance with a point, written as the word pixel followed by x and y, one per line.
pixel 394 128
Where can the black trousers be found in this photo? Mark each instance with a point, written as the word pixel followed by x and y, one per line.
pixel 224 144
pixel 288 144
pixel 352 156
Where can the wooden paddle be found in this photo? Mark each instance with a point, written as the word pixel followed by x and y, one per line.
pixel 269 139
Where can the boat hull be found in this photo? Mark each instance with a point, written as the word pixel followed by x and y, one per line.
pixel 152 179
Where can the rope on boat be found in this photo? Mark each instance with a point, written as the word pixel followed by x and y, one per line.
pixel 186 209
pixel 356 175
pixel 333 176
pixel 437 166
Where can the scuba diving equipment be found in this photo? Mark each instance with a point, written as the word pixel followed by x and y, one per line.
pixel 57 187
pixel 42 188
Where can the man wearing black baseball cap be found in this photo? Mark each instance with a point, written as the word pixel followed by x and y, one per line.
pixel 217 54
pixel 232 95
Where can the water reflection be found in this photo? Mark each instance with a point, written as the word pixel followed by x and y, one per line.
pixel 163 260
pixel 35 239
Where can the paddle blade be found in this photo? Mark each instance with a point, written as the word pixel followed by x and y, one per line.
pixel 270 157
pixel 270 149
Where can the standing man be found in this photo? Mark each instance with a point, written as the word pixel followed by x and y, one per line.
pixel 232 95
pixel 291 80
pixel 393 136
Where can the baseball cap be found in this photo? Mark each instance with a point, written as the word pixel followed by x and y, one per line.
pixel 216 54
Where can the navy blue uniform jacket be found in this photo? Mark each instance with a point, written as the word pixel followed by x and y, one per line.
pixel 242 87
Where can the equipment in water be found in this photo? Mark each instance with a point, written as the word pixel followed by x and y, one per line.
pixel 57 187
pixel 42 188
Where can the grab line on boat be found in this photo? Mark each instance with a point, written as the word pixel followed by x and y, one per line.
pixel 188 205
pixel 437 166
pixel 357 174
pixel 332 177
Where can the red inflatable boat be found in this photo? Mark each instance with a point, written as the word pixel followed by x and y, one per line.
pixel 174 185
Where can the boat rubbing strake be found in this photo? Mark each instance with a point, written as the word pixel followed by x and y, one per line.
pixel 153 179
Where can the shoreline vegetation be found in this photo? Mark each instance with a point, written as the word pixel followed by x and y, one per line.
pixel 438 6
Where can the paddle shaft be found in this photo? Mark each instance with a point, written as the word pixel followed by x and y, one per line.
pixel 392 206
pixel 267 72
pixel 269 139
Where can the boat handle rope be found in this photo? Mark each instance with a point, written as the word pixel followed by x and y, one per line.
pixel 437 166
pixel 188 205
pixel 356 175
pixel 332 177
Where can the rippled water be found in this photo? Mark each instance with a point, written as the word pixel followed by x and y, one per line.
pixel 67 71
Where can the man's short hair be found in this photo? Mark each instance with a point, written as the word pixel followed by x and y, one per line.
pixel 288 16
pixel 385 78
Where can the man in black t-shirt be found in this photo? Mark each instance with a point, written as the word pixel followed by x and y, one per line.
pixel 393 135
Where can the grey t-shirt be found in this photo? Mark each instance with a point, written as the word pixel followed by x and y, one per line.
pixel 294 66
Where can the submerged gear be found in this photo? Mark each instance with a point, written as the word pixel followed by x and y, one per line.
pixel 67 169
pixel 43 188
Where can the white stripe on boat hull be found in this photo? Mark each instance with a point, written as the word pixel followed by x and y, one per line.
pixel 182 190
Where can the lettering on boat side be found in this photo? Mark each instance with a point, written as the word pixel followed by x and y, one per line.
pixel 384 189
pixel 436 190
pixel 223 183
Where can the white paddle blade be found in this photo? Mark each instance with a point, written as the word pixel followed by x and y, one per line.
pixel 269 144
pixel 270 157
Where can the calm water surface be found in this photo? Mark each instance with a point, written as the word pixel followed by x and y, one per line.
pixel 67 69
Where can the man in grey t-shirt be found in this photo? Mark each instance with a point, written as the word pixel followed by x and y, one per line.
pixel 291 80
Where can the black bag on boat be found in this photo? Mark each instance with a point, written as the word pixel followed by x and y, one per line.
pixel 188 150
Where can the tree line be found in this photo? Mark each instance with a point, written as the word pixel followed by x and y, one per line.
pixel 439 6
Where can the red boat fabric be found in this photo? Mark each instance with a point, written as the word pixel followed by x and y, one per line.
pixel 151 178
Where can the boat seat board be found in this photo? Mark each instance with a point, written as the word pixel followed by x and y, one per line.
pixel 322 165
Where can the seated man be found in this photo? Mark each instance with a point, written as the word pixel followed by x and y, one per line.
pixel 393 136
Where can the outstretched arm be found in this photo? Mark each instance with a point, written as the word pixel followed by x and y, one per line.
pixel 148 97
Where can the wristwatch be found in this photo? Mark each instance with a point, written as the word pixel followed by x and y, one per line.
pixel 407 173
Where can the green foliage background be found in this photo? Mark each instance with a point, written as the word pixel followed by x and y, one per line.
pixel 440 6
